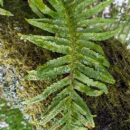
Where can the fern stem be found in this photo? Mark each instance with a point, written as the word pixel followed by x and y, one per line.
pixel 72 39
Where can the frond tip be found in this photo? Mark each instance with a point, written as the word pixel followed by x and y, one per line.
pixel 3 11
pixel 83 62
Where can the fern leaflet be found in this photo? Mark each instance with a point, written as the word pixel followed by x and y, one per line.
pixel 3 11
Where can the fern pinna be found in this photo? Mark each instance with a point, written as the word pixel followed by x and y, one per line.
pixel 83 61
pixel 4 12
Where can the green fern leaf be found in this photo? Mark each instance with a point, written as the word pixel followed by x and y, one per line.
pixel 3 11
pixel 88 13
pixel 83 61
pixel 60 122
pixel 1 2
pixel 35 9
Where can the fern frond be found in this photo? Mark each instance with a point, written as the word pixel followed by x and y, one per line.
pixel 83 61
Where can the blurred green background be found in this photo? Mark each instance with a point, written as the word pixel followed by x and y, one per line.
pixel 11 118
